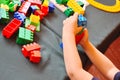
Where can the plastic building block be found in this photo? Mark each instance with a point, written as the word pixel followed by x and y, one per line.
pixel 6 7
pixel 39 13
pixel 35 2
pixel 25 36
pixel 62 1
pixel 45 3
pixel 61 45
pixel 24 7
pixel 17 2
pixel 35 56
pixel 26 49
pixel 31 27
pixel 11 28
pixel 4 16
pixel 45 10
pixel 19 16
pixel 82 21
pixel 4 1
pixel 12 6
pixel 113 8
pixel 80 3
pixel 51 7
pixel 34 19
pixel 75 6
pixel 33 8
pixel 68 12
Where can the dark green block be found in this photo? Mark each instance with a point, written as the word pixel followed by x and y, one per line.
pixel 62 1
pixel 68 12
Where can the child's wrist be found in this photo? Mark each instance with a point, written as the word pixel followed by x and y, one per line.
pixel 84 45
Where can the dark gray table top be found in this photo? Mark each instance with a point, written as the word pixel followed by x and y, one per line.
pixel 13 65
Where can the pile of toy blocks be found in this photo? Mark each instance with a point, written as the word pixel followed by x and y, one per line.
pixel 26 21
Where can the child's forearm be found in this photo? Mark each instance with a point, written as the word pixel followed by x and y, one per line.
pixel 71 56
pixel 104 65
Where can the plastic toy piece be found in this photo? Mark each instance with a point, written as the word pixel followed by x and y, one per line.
pixel 80 3
pixel 6 7
pixel 35 56
pixel 33 8
pixel 114 8
pixel 11 28
pixel 18 2
pixel 45 10
pixel 62 1
pixel 27 22
pixel 24 7
pixel 45 3
pixel 35 2
pixel 26 49
pixel 31 27
pixel 51 7
pixel 25 36
pixel 12 6
pixel 79 36
pixel 4 16
pixel 75 6
pixel 68 12
pixel 19 16
pixel 60 7
pixel 82 21
pixel 4 1
pixel 39 13
pixel 34 19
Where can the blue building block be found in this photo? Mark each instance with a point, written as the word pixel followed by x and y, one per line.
pixel 61 45
pixel 82 21
pixel 51 7
pixel 19 16
pixel 33 8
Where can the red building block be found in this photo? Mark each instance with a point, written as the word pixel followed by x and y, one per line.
pixel 35 2
pixel 24 7
pixel 32 28
pixel 26 49
pixel 35 56
pixel 11 28
pixel 45 10
pixel 39 13
pixel 78 38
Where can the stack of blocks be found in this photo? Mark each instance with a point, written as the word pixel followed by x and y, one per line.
pixel 26 21
pixel 32 51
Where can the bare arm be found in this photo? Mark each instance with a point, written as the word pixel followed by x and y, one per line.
pixel 72 59
pixel 102 63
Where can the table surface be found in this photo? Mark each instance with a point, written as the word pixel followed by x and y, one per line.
pixel 14 66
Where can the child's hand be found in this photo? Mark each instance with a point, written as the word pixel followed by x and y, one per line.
pixel 70 25
pixel 83 42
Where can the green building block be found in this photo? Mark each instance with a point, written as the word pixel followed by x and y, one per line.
pixel 68 12
pixel 80 3
pixel 27 22
pixel 4 1
pixel 17 2
pixel 25 36
pixel 12 7
pixel 4 16
pixel 62 1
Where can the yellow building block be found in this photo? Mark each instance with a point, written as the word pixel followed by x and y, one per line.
pixel 114 8
pixel 75 6
pixel 46 3
pixel 34 19
pixel 6 7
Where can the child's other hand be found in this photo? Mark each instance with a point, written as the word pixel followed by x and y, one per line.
pixel 70 25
